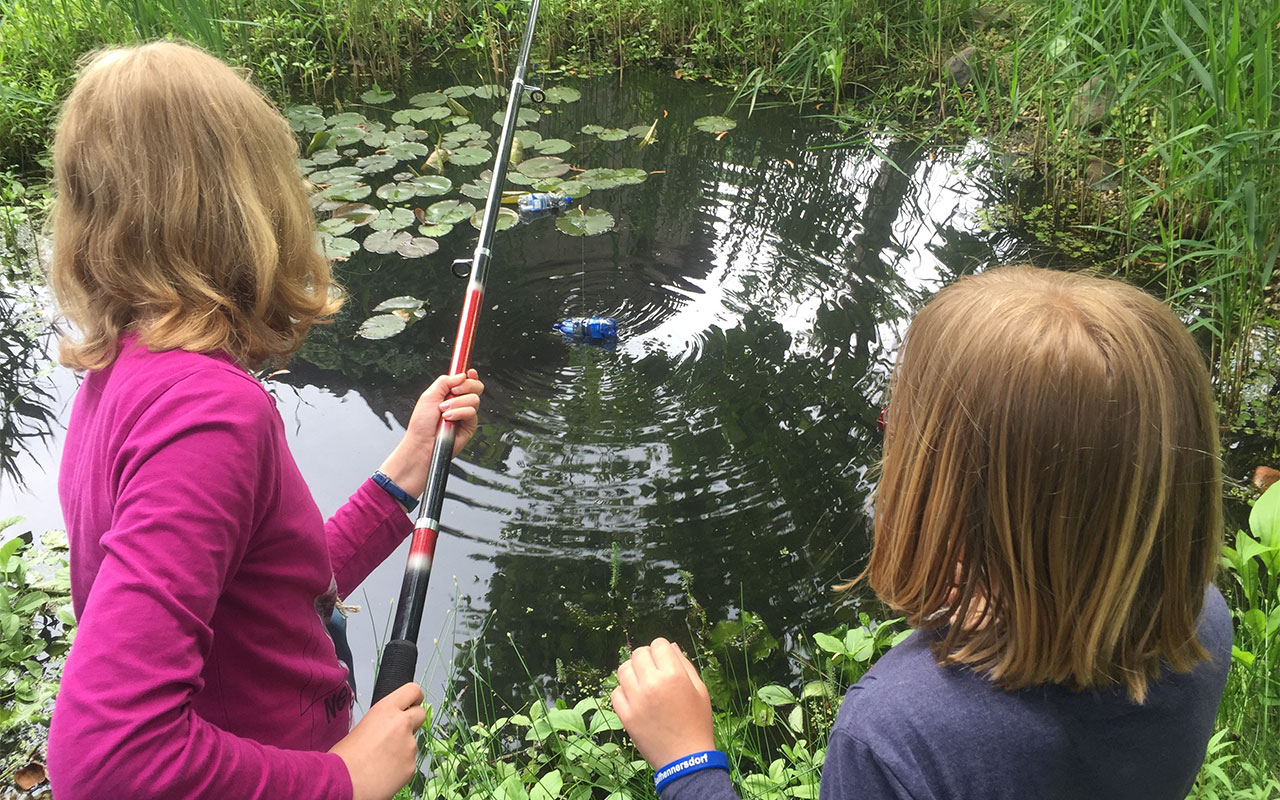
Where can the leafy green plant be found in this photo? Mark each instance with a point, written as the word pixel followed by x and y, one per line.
pixel 36 629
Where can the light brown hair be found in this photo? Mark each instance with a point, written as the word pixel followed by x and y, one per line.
pixel 180 212
pixel 1051 491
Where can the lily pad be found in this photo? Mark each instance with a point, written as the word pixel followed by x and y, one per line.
pixel 409 116
pixel 381 326
pixel 714 124
pixel 470 156
pixel 639 131
pixel 524 116
pixel 527 138
pixel 447 212
pixel 629 176
pixel 435 230
pixel 431 185
pixel 411 134
pixel 406 151
pixel 429 100
pixel 345 120
pixel 308 119
pixel 505 219
pixel 402 303
pixel 563 94
pixel 378 162
pixel 457 108
pixel 574 189
pixel 591 130
pixel 347 192
pixel 552 146
pixel 336 226
pixel 326 157
pixel 473 130
pixel 397 192
pixel 380 139
pixel 544 167
pixel 337 246
pixel 356 213
pixel 322 140
pixel 391 219
pixel 600 178
pixel 546 184
pixel 490 91
pixel 477 189
pixel 611 135
pixel 335 175
pixel 519 179
pixel 418 247
pixel 585 222
pixel 386 241
pixel 462 90
pixel 378 95
pixel 347 135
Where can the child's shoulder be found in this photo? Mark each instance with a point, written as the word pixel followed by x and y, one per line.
pixel 179 382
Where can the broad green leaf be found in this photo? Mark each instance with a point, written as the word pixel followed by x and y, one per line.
pixel 347 192
pixel 859 643
pixel 406 151
pixel 379 162
pixel 397 192
pixel 591 130
pixel 382 326
pixel 345 120
pixel 377 95
pixel 1264 519
pixel 461 90
pixel 336 175
pixel 403 302
pixel 447 212
pixel 326 157
pixel 585 221
pixel 385 241
pixel 337 247
pixel 477 189
pixel 566 720
pixel 418 247
pixel 548 786
pixel 430 185
pixel 519 179
pixel 605 720
pixel 573 189
pixel 435 230
pixel 347 136
pixel 470 156
pixel 543 167
pixel 524 116
pixel 429 100
pixel 356 213
pixel 829 643
pixel 795 720
pixel 490 91
pixel 336 226
pixel 611 135
pixel 527 138
pixel 714 124
pixel 322 140
pixel 506 218
pixel 776 695
pixel 552 146
pixel 563 94
pixel 392 219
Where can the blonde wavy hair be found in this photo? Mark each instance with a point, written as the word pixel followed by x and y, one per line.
pixel 1051 498
pixel 180 212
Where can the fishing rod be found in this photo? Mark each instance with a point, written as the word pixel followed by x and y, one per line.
pixel 400 655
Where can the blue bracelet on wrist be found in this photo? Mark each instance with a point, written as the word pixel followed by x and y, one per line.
pixel 389 486
pixel 694 762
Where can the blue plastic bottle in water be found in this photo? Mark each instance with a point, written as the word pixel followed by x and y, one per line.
pixel 542 201
pixel 588 327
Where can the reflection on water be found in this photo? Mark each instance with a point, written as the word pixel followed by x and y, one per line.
pixel 725 448
pixel 759 285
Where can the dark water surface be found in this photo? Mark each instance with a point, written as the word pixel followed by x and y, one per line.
pixel 724 451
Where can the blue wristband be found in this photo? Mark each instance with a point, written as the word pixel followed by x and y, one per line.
pixel 694 762
pixel 389 486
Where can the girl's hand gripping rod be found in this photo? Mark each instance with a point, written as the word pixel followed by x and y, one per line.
pixel 400 656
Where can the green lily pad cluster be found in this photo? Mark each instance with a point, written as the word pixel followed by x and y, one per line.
pixel 391 317
pixel 384 175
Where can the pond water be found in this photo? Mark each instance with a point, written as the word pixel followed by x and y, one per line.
pixel 719 458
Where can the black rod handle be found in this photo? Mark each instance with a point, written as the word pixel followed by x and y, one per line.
pixel 399 662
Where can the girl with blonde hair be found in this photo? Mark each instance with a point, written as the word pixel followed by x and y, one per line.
pixel 202 571
pixel 1048 519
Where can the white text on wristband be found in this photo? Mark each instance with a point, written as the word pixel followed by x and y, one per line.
pixel 694 762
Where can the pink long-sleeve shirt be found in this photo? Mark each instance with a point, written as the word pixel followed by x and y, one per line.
pixel 200 572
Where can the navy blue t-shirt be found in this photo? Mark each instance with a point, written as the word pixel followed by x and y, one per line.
pixel 913 729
